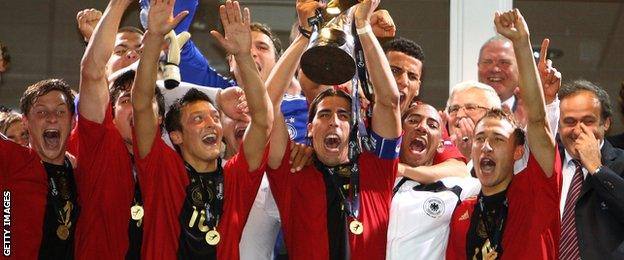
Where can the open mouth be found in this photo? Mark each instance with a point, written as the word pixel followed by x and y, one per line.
pixel 487 165
pixel 210 139
pixel 332 142
pixel 52 138
pixel 417 146
pixel 495 79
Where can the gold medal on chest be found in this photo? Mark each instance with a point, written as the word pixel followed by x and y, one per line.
pixel 213 237
pixel 356 227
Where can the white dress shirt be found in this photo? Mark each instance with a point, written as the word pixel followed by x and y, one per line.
pixel 567 172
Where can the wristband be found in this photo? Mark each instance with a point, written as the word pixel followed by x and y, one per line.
pixel 364 30
pixel 305 32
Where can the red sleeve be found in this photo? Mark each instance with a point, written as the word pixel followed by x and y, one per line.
pixel 280 180
pixel 163 179
pixel 545 191
pixel 242 184
pixel 25 189
pixel 240 189
pixel 105 183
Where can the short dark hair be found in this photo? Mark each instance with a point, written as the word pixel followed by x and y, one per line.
pixel 131 29
pixel 579 85
pixel 34 91
pixel 406 46
pixel 330 92
pixel 172 120
pixel 263 28
pixel 124 83
pixel 497 113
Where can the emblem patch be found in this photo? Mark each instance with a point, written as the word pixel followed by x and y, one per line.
pixel 434 207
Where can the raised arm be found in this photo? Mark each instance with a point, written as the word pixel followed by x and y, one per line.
pixel 161 21
pixel 512 25
pixel 87 19
pixel 237 41
pixel 280 79
pixel 386 120
pixel 94 95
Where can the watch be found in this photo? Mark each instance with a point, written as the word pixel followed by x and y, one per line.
pixel 597 170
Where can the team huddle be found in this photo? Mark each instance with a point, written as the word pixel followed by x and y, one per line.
pixel 160 157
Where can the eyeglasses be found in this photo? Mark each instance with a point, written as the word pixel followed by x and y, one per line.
pixel 468 108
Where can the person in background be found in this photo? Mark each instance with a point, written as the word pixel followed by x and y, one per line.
pixel 12 127
pixel 592 201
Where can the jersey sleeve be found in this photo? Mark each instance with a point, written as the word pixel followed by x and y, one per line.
pixel 240 181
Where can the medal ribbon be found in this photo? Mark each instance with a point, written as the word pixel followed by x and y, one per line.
pixel 66 209
pixel 494 233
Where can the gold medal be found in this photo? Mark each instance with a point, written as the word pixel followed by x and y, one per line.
pixel 62 232
pixel 136 212
pixel 213 237
pixel 356 227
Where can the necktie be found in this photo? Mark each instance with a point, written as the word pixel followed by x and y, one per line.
pixel 568 244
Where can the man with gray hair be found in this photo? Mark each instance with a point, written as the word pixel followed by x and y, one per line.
pixel 468 102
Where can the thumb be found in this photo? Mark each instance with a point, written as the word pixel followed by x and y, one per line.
pixel 182 38
pixel 218 36
pixel 179 18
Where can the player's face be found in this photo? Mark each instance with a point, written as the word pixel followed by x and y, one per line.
pixel 262 52
pixel 407 71
pixel 422 136
pixel 127 51
pixel 123 119
pixel 330 130
pixel 49 123
pixel 201 133
pixel 233 132
pixel 123 116
pixel 493 154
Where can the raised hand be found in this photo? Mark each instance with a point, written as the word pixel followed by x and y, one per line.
pixel 87 19
pixel 462 135
pixel 364 12
pixel 306 9
pixel 588 148
pixel 237 39
pixel 382 24
pixel 550 77
pixel 511 24
pixel 160 17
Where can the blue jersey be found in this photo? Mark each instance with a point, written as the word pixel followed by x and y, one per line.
pixel 295 111
pixel 194 67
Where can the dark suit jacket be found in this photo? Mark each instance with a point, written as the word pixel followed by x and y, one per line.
pixel 600 208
